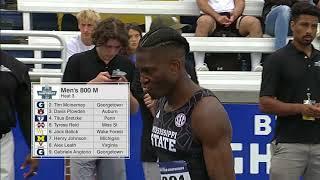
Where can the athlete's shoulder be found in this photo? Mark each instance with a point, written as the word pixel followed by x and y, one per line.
pixel 209 112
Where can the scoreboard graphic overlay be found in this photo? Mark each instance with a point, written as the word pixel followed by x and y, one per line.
pixel 80 120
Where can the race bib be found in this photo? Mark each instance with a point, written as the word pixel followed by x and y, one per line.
pixel 174 170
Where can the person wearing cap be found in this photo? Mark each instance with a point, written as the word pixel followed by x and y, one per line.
pixel 191 130
pixel 226 15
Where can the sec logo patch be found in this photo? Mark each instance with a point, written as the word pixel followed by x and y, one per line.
pixel 180 120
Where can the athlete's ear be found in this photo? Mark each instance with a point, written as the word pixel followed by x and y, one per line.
pixel 175 65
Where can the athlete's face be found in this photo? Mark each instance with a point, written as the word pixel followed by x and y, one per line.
pixel 157 74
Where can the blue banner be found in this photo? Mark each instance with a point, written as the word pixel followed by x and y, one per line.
pixel 252 133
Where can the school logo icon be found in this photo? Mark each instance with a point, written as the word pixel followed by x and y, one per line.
pixel 46 92
pixel 39 131
pixel 40 111
pixel 41 138
pixel 180 120
pixel 40 104
pixel 40 118
pixel 41 125
pixel 40 151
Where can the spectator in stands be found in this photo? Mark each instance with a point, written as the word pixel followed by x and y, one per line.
pixel 94 66
pixel 290 89
pixel 217 14
pixel 135 34
pixel 15 97
pixel 276 15
pixel 87 21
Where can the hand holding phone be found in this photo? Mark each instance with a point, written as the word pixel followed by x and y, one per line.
pixel 102 77
pixel 118 75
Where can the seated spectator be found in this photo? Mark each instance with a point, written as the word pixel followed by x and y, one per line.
pixel 277 15
pixel 227 14
pixel 135 34
pixel 87 21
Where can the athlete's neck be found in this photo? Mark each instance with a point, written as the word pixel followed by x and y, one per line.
pixel 183 91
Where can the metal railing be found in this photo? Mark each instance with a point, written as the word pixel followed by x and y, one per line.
pixel 38 72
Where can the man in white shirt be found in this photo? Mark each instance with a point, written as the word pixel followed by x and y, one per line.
pixel 87 21
pixel 226 14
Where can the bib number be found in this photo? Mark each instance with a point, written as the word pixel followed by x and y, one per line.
pixel 174 170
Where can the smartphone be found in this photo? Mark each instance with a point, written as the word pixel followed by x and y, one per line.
pixel 117 74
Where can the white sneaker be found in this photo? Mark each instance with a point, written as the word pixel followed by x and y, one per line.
pixel 258 68
pixel 202 67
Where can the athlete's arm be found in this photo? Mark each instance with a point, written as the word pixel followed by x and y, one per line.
pixel 212 128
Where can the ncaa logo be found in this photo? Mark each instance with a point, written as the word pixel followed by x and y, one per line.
pixel 180 120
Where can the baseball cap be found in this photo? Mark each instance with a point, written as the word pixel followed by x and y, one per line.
pixel 166 21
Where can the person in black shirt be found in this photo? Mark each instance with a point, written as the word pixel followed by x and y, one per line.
pixel 190 124
pixel 290 89
pixel 15 96
pixel 94 66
